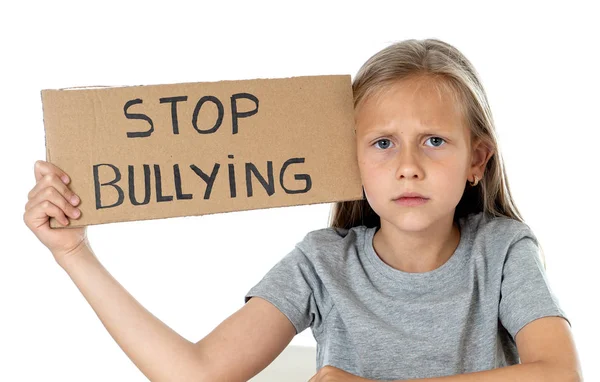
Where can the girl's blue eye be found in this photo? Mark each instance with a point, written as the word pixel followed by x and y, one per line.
pixel 438 139
pixel 383 140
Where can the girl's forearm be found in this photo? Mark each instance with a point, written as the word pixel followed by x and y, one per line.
pixel 158 351
pixel 530 372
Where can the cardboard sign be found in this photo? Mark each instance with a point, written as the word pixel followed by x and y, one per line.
pixel 159 151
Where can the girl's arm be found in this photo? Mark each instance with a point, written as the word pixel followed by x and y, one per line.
pixel 239 348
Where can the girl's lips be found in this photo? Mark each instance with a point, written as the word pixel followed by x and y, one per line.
pixel 413 201
pixel 411 195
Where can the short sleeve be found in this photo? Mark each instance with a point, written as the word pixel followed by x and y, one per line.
pixel 525 293
pixel 290 286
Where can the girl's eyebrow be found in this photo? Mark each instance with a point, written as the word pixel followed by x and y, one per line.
pixel 429 131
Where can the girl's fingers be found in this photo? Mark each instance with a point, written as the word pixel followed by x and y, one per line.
pixel 53 196
pixel 52 180
pixel 42 168
pixel 39 214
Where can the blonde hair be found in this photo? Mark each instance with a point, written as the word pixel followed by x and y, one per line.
pixel 450 70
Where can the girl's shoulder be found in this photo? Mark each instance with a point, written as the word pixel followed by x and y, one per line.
pixel 498 228
pixel 332 243
pixel 332 236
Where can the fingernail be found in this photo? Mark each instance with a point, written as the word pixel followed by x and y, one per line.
pixel 76 212
pixel 74 199
pixel 65 179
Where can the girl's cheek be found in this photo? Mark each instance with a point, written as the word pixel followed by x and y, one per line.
pixel 440 155
pixel 379 157
pixel 371 159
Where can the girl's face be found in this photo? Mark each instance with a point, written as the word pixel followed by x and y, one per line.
pixel 412 138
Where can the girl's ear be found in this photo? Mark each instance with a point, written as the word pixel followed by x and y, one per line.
pixel 480 156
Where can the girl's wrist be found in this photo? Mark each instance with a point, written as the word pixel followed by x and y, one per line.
pixel 69 261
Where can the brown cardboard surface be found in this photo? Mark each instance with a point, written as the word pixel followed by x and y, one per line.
pixel 159 151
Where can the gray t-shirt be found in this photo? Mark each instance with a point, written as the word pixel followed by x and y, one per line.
pixel 378 322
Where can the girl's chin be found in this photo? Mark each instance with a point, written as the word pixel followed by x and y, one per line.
pixel 410 221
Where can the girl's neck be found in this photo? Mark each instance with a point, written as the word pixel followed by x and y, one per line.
pixel 416 252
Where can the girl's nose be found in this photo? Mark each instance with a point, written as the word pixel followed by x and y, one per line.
pixel 408 165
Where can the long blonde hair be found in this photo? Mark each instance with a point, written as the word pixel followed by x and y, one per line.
pixel 451 70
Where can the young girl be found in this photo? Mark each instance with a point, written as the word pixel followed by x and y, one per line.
pixel 433 274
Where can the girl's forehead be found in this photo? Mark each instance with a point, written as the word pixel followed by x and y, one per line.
pixel 421 102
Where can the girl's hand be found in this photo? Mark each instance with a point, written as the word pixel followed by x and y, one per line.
pixel 333 374
pixel 52 197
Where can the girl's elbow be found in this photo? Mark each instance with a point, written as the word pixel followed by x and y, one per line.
pixel 569 375
pixel 577 376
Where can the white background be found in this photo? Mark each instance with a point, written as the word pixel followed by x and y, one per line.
pixel 537 62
